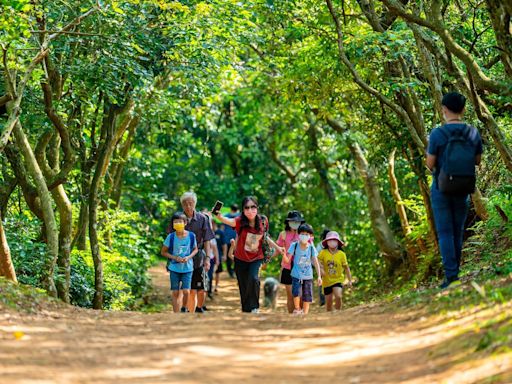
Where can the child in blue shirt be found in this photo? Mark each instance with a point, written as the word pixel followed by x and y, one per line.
pixel 304 255
pixel 179 247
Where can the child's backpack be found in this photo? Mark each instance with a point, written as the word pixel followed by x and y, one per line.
pixel 171 246
pixel 457 173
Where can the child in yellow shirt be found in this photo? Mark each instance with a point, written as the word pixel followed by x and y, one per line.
pixel 333 262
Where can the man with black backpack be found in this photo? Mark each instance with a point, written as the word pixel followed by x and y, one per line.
pixel 454 149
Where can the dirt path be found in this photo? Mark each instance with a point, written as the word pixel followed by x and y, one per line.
pixel 359 345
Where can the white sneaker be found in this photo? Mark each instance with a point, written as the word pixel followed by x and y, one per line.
pixel 298 312
pixel 255 310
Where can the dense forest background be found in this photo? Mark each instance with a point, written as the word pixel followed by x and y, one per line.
pixel 111 110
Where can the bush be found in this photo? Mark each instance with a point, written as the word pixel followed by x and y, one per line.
pixel 28 252
pixel 125 261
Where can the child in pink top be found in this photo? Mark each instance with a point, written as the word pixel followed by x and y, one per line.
pixel 286 237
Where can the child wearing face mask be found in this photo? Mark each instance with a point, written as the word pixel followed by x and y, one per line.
pixel 291 224
pixel 332 263
pixel 304 257
pixel 179 247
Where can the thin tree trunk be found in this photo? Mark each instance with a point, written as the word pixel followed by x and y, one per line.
pixel 384 236
pixel 112 136
pixel 6 266
pixel 412 252
pixel 118 171
pixel 46 205
pixel 479 205
pixel 65 231
pixel 80 240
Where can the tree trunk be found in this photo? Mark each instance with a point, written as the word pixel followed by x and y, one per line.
pixel 80 240
pixel 6 266
pixel 65 231
pixel 384 236
pixel 110 136
pixel 388 246
pixel 46 205
pixel 479 204
pixel 501 19
pixel 412 251
pixel 118 170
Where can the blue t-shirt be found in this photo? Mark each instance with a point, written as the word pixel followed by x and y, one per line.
pixel 220 236
pixel 437 142
pixel 302 260
pixel 229 232
pixel 181 248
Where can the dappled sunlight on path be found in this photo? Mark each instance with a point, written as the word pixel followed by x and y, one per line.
pixel 359 345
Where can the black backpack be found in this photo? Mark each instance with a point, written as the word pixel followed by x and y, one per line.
pixel 457 174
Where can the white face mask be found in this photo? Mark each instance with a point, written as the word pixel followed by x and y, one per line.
pixel 304 238
pixel 332 244
pixel 294 225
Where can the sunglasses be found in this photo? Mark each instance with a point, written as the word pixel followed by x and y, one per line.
pixel 251 207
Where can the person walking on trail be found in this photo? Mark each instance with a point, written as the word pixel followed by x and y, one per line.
pixel 319 247
pixel 180 247
pixel 250 228
pixel 304 255
pixel 214 258
pixel 199 224
pixel 454 149
pixel 230 234
pixel 291 224
pixel 222 249
pixel 333 262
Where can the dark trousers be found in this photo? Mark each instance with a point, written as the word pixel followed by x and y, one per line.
pixel 450 215
pixel 229 266
pixel 247 274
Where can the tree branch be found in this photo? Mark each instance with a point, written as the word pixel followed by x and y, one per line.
pixel 438 26
pixel 357 78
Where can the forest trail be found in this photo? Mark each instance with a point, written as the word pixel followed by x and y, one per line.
pixel 366 344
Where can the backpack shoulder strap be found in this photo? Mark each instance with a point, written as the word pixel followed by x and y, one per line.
pixel 191 238
pixel 444 131
pixel 171 242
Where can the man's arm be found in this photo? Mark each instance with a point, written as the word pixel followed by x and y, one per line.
pixel 431 161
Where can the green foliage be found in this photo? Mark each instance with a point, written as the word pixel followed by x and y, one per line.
pixel 28 253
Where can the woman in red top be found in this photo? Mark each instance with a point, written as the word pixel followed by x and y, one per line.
pixel 250 228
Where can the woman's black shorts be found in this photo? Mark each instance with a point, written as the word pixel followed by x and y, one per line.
pixel 286 276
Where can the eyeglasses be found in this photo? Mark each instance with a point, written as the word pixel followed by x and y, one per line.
pixel 250 207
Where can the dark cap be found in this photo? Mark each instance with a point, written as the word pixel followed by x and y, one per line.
pixel 294 216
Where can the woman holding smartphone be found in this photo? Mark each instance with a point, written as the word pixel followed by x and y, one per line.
pixel 250 228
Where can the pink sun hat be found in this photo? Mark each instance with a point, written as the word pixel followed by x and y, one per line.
pixel 333 235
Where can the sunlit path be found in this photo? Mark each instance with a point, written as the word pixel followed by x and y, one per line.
pixel 359 345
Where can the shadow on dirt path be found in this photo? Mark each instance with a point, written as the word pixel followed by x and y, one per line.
pixel 367 344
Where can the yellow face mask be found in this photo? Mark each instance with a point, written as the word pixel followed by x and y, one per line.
pixel 179 227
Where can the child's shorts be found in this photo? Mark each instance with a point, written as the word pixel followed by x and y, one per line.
pixel 328 290
pixel 185 278
pixel 303 288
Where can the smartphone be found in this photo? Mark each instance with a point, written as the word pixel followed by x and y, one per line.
pixel 217 207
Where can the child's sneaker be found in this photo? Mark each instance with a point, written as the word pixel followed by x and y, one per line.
pixel 255 310
pixel 184 310
pixel 199 310
pixel 298 312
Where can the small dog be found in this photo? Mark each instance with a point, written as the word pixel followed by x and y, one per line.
pixel 270 289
